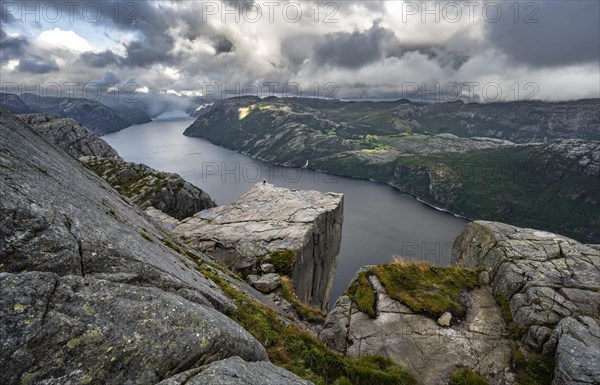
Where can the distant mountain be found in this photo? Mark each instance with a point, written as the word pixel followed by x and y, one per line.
pixel 14 104
pixel 553 186
pixel 98 117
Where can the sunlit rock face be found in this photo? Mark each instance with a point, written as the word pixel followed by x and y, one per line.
pixel 269 219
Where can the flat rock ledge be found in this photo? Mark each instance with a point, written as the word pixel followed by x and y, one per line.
pixel 552 286
pixel 268 219
pixel 432 352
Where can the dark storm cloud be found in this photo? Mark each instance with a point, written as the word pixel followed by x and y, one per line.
pixel 36 65
pixel 12 47
pixel 153 49
pixel 100 60
pixel 222 44
pixel 153 44
pixel 107 80
pixel 445 58
pixel 298 48
pixel 567 32
pixel 353 50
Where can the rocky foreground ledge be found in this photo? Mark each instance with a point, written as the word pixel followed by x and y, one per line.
pixel 519 306
pixel 551 285
pixel 269 222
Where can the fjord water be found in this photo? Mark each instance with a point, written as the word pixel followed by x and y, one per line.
pixel 380 222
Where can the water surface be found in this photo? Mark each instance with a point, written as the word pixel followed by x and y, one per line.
pixel 380 222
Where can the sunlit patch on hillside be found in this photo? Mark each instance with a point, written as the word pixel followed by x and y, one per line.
pixel 263 107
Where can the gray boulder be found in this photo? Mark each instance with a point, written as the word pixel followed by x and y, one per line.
pixel 267 283
pixel 577 351
pixel 267 268
pixel 83 329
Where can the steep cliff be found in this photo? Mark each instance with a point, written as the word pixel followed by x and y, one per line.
pixel 265 223
pixel 143 185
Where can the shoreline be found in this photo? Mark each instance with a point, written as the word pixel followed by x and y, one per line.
pixel 429 205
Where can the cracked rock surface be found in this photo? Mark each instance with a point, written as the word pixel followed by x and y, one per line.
pixel 417 342
pixel 269 218
pixel 552 284
pixel 88 291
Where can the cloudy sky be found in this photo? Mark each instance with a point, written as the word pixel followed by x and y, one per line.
pixel 484 50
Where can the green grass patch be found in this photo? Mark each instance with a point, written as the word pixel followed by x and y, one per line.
pixel 531 368
pixel 297 351
pixel 425 288
pixel 283 261
pixel 420 286
pixel 306 313
pixel 172 245
pixel 145 235
pixel 467 377
pixel 362 293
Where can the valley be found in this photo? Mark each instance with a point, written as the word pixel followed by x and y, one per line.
pixel 473 176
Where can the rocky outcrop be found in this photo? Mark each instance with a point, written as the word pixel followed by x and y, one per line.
pixel 552 286
pixel 69 135
pixel 147 187
pixel 418 342
pixel 86 329
pixel 91 291
pixel 271 219
pixel 579 157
